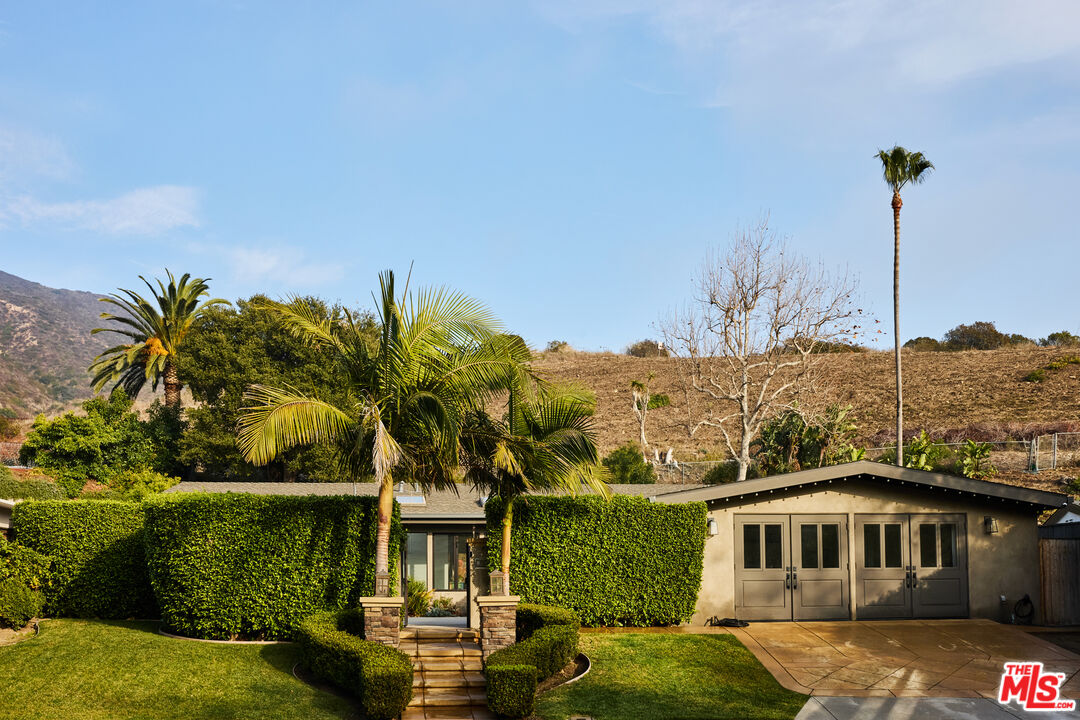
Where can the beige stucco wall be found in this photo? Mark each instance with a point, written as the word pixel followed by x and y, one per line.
pixel 1005 563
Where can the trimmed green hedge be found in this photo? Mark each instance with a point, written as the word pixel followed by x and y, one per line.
pixel 236 565
pixel 623 561
pixel 99 561
pixel 380 676
pixel 547 642
pixel 23 574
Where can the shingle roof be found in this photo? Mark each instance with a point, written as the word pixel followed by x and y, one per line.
pixel 444 504
pixel 867 470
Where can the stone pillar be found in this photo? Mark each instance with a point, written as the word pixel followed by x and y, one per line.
pixel 382 619
pixel 498 622
pixel 478 578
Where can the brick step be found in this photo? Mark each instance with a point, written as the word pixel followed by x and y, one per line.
pixel 426 633
pixel 447 664
pixel 443 649
pixel 461 712
pixel 448 679
pixel 447 697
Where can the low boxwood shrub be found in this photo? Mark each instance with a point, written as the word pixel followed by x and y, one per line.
pixel 623 561
pixel 628 466
pixel 380 676
pixel 231 565
pixel 99 560
pixel 23 575
pixel 547 641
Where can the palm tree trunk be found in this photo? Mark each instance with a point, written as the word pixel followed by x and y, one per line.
pixel 382 532
pixel 507 522
pixel 172 386
pixel 897 203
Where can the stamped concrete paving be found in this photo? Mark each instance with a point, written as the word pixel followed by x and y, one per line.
pixel 900 659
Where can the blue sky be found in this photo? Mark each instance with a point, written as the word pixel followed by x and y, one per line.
pixel 568 162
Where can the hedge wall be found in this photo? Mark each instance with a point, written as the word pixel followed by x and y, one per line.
pixel 23 575
pixel 99 560
pixel 623 561
pixel 235 565
pixel 381 677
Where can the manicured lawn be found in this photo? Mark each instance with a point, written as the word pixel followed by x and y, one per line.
pixel 684 677
pixel 98 670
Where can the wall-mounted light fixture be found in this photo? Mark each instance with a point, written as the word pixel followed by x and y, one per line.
pixel 714 528
pixel 990 525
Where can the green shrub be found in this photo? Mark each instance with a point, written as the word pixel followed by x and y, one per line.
pixel 418 598
pixel 627 465
pixel 380 676
pixel 623 561
pixel 237 565
pixel 1035 376
pixel 140 484
pixel 647 349
pixel 30 488
pixel 23 574
pixel 18 604
pixel 728 471
pixel 547 641
pixel 99 560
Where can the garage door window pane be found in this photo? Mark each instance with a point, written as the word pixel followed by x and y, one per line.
pixel 948 545
pixel 774 551
pixel 751 547
pixel 893 553
pixel 809 546
pixel 830 546
pixel 872 545
pixel 928 545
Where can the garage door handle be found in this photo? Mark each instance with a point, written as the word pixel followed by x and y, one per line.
pixel 794 580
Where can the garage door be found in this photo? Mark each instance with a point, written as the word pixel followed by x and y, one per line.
pixel 791 567
pixel 910 566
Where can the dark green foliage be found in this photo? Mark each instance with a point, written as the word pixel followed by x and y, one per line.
pixel 924 344
pixel 511 689
pixel 1063 338
pixel 790 441
pixel 233 348
pixel 9 427
pixel 418 600
pixel 980 336
pixel 18 604
pixel 627 465
pixel 1035 376
pixel 973 460
pixel 647 349
pixel 547 642
pixel 380 676
pixel 531 618
pixel 23 574
pixel 237 565
pixel 30 488
pixel 623 561
pixel 104 445
pixel 728 471
pixel 99 561
pixel 923 453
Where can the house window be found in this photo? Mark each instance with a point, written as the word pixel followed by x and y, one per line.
pixel 449 561
pixel 416 559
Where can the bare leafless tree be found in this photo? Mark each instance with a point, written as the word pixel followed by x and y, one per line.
pixel 748 342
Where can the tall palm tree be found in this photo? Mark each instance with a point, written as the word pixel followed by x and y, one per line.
pixel 899 168
pixel 156 333
pixel 439 356
pixel 546 441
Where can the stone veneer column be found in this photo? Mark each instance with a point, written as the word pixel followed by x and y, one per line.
pixel 382 619
pixel 498 622
pixel 478 578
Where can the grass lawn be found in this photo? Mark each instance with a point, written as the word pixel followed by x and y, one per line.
pixel 93 669
pixel 670 677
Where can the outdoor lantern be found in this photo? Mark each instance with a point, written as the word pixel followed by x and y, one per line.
pixel 990 525
pixel 713 527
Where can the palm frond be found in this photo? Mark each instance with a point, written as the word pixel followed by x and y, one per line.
pixel 277 420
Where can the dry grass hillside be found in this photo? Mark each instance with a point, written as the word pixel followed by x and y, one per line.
pixel 943 391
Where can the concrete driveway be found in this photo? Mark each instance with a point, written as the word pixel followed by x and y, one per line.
pixel 901 659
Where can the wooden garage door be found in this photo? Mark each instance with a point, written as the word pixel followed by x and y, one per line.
pixel 910 566
pixel 791 567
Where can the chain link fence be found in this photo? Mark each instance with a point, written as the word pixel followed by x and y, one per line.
pixel 1055 451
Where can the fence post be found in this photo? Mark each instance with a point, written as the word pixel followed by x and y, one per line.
pixel 1033 454
pixel 1053 459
